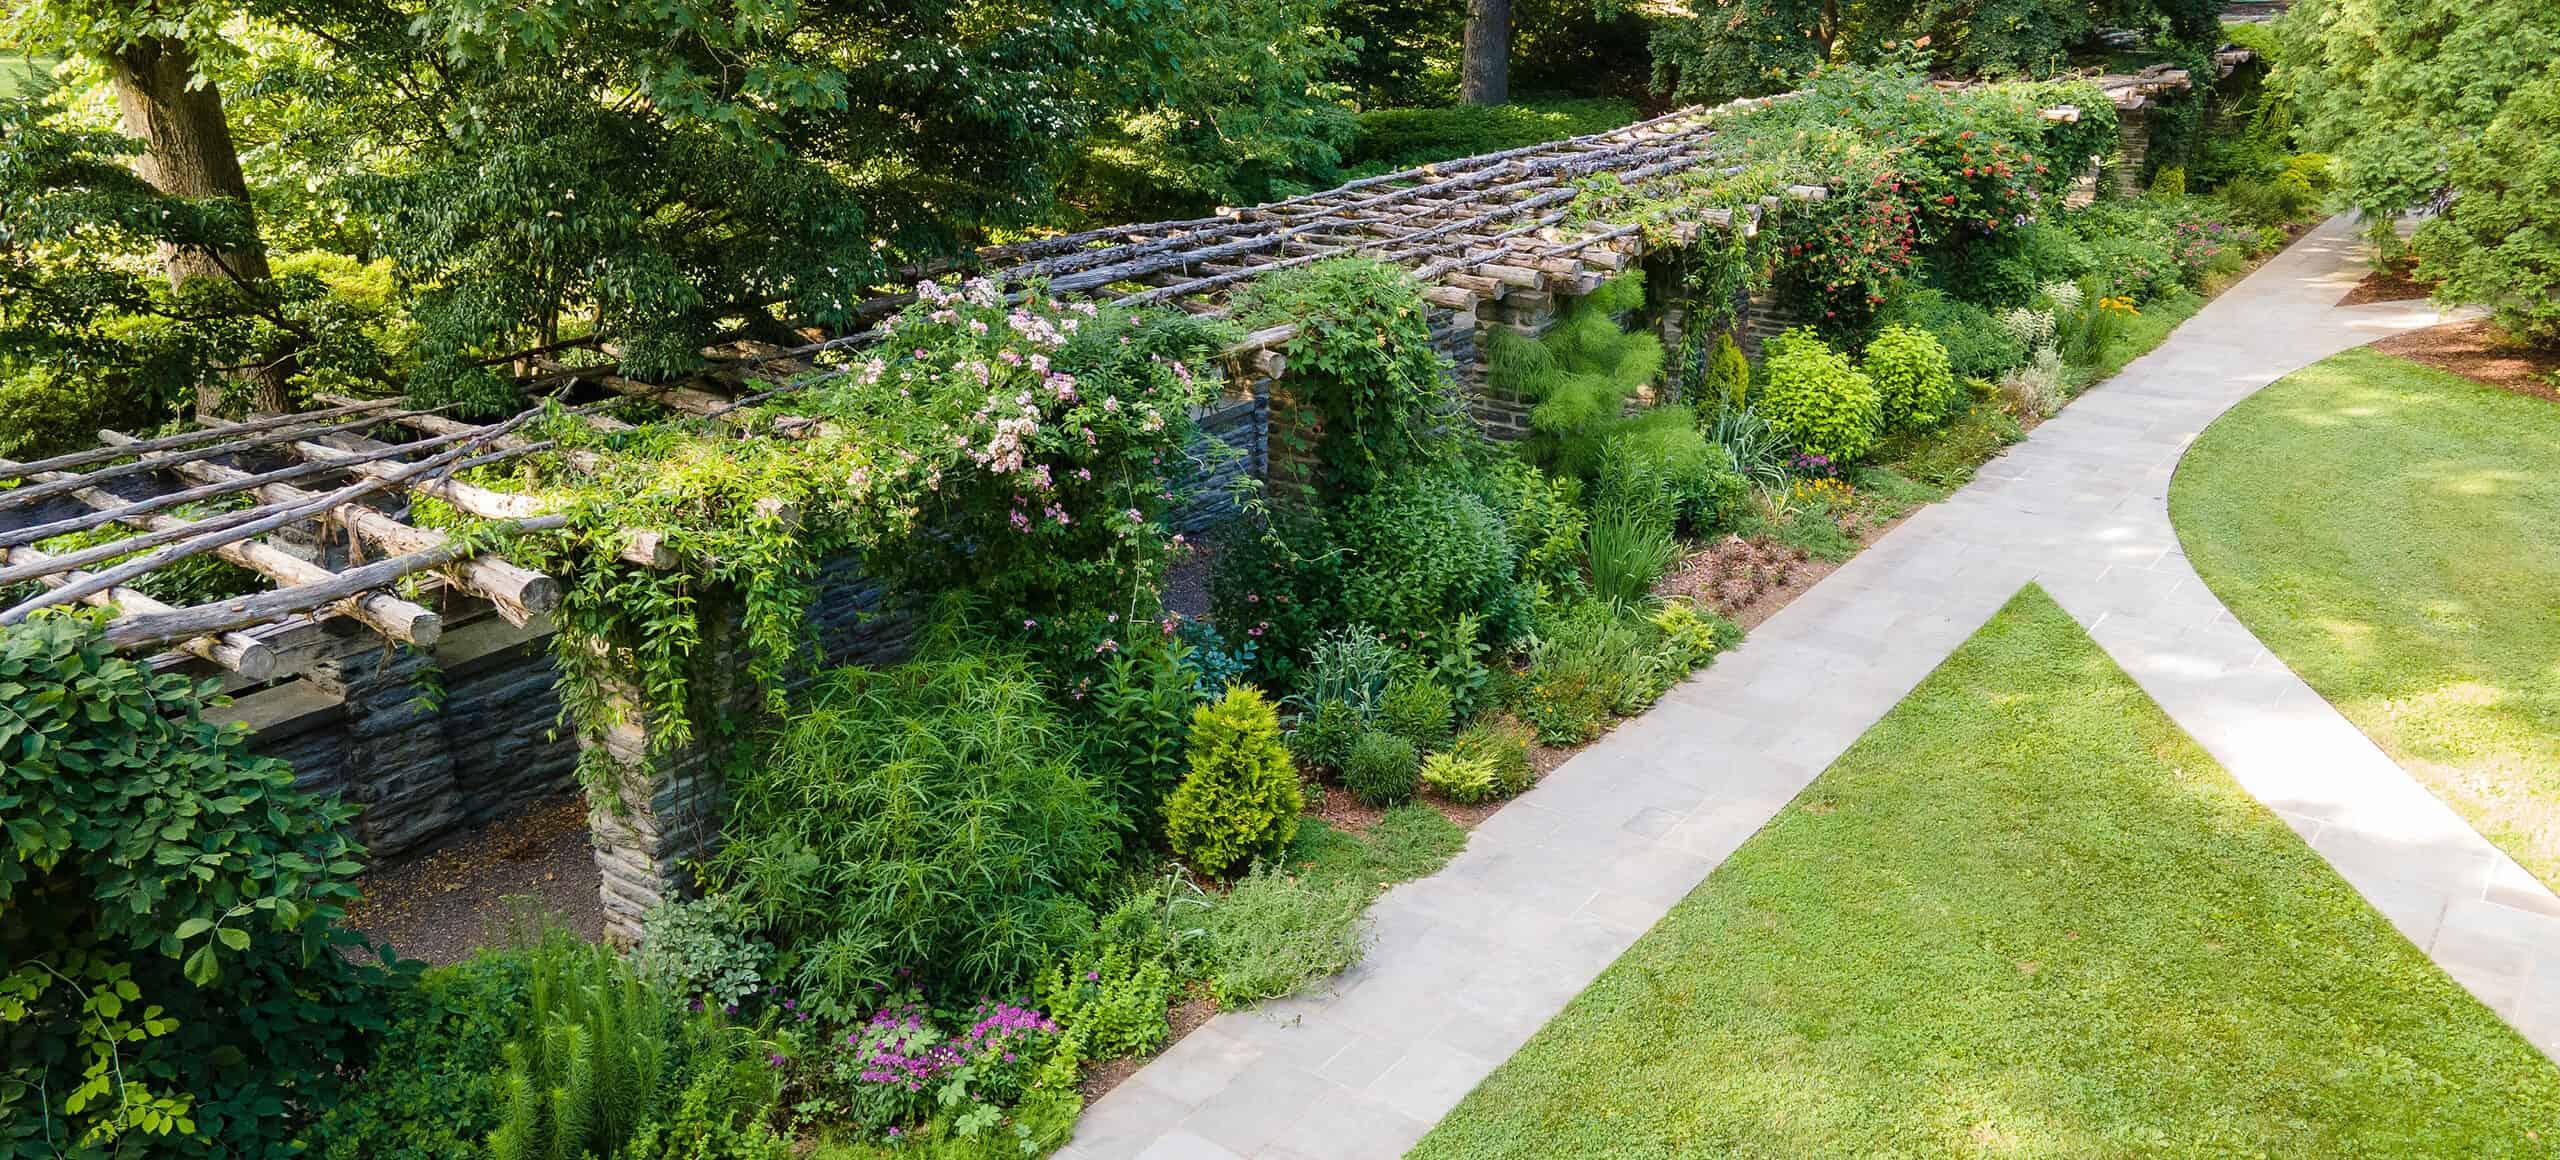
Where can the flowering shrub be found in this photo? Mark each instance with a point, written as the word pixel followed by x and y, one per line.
pixel 1914 169
pixel 1816 401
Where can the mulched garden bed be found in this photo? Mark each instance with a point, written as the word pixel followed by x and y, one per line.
pixel 442 906
pixel 2480 352
pixel 2397 282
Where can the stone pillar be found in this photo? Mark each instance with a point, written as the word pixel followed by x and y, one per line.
pixel 2133 128
pixel 399 769
pixel 664 809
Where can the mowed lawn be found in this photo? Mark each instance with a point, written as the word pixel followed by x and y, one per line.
pixel 2025 915
pixel 2392 532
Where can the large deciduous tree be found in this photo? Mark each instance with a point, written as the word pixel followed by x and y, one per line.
pixel 2446 101
pixel 1485 70
pixel 154 52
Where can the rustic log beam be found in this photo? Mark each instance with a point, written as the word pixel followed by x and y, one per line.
pixel 335 589
pixel 519 593
pixel 346 406
pixel 238 652
pixel 391 616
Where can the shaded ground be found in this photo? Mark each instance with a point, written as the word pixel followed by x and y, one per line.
pixel 2024 914
pixel 2477 351
pixel 2397 282
pixel 2387 530
pixel 442 906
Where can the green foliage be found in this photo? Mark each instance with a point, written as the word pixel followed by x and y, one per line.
pixel 1659 460
pixel 1502 744
pixel 1726 386
pixel 1946 458
pixel 1353 667
pixel 1462 778
pixel 1631 548
pixel 1392 139
pixel 168 915
pixel 1113 995
pixel 431 1091
pixel 587 1067
pixel 1138 713
pixel 1381 768
pixel 1243 112
pixel 927 818
pixel 90 329
pixel 1589 664
pixel 1815 400
pixel 2499 244
pixel 1241 799
pixel 1543 518
pixel 1419 710
pixel 1579 374
pixel 1977 346
pixel 1763 46
pixel 1913 376
pixel 1422 550
pixel 2395 89
pixel 705 949
pixel 1322 736
pixel 1362 361
pixel 1274 933
pixel 1758 454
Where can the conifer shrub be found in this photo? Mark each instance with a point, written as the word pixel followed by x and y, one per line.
pixel 1725 383
pixel 1913 377
pixel 1815 400
pixel 1381 768
pixel 1419 710
pixel 1241 799
pixel 1578 375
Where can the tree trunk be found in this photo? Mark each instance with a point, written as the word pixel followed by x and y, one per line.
pixel 1485 75
pixel 188 152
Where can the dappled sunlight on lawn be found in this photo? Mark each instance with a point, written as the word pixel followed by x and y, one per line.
pixel 2388 531
pixel 2025 913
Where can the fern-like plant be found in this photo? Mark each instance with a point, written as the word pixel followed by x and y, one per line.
pixel 587 1070
pixel 1241 799
pixel 1579 374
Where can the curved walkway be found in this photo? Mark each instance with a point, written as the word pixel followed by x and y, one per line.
pixel 1468 963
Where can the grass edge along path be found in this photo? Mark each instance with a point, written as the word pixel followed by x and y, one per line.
pixel 2025 914
pixel 2386 530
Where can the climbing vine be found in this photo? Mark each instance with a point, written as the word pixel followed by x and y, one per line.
pixel 1024 454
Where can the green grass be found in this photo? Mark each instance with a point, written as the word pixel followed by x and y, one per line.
pixel 2023 915
pixel 1408 841
pixel 2392 532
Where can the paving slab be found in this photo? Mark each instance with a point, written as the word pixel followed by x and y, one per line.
pixel 1465 965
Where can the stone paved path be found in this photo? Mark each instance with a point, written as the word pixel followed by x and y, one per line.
pixel 1468 963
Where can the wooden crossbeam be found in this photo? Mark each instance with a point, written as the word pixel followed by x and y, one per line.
pixel 518 593
pixel 235 651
